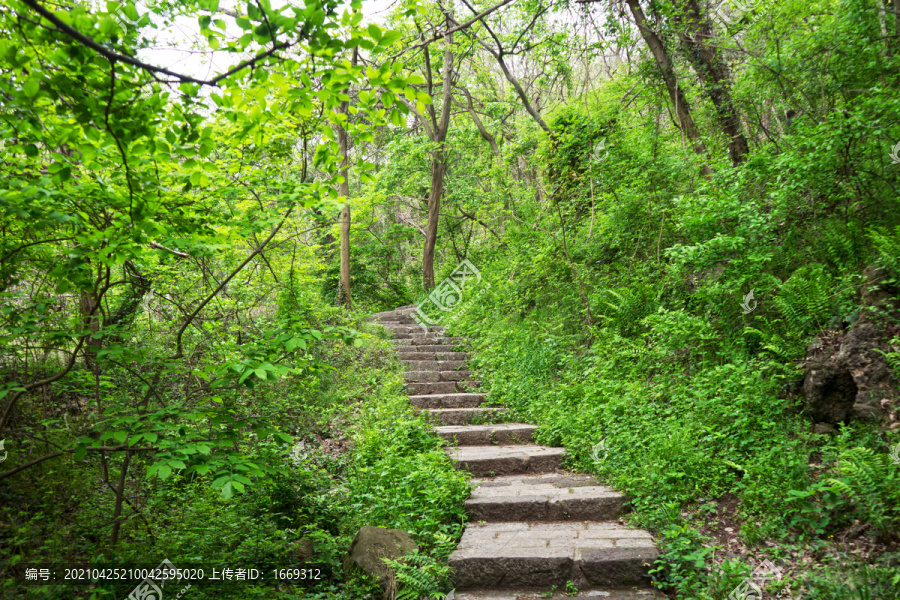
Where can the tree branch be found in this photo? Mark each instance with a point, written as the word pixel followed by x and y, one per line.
pixel 116 56
pixel 459 27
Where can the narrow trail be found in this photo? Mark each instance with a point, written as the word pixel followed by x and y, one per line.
pixel 534 527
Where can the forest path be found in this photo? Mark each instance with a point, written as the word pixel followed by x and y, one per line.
pixel 534 528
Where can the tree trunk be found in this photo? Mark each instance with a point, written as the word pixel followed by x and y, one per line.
pixel 667 70
pixel 438 170
pixel 714 76
pixel 344 294
pixel 438 135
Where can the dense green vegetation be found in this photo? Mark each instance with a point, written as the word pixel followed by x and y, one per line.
pixel 176 380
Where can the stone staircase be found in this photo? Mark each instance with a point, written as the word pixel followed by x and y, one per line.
pixel 534 528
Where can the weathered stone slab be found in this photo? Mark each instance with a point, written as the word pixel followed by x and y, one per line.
pixel 433 365
pixel 483 461
pixel 447 400
pixel 464 416
pixel 413 355
pixel 510 554
pixel 422 376
pixel 543 498
pixel 455 375
pixel 433 348
pixel 621 565
pixel 440 387
pixel 484 435
pixel 439 355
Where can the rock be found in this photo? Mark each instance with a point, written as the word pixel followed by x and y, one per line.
pixel 861 355
pixel 823 429
pixel 829 390
pixel 371 545
pixel 855 380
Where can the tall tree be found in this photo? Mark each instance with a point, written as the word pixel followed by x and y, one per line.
pixel 667 71
pixel 435 124
pixel 715 76
pixel 344 296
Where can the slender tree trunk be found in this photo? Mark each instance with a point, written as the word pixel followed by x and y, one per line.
pixel 438 162
pixel 714 75
pixel 345 297
pixel 120 496
pixel 667 70
pixel 438 170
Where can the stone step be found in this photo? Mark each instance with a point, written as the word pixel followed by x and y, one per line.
pixel 413 355
pixel 411 328
pixel 484 435
pixel 436 376
pixel 543 555
pixel 425 339
pixel 459 376
pixel 430 348
pixel 433 365
pixel 606 593
pixel 489 461
pixel 441 387
pixel 394 314
pixel 552 497
pixel 397 328
pixel 447 401
pixel 464 416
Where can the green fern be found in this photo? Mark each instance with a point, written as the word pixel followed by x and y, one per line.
pixel 887 248
pixel 805 299
pixel 624 309
pixel 893 358
pixel 872 482
pixel 419 576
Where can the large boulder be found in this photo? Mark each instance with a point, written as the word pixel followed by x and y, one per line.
pixel 854 379
pixel 371 545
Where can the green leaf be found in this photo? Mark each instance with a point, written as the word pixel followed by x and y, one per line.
pixel 227 490
pixel 32 86
pixel 374 31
